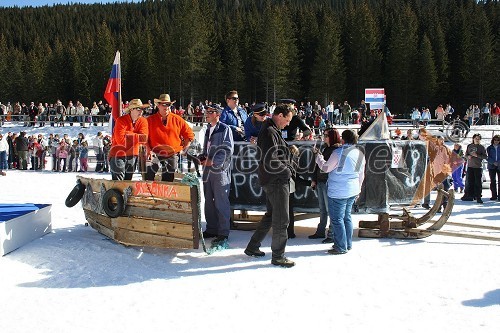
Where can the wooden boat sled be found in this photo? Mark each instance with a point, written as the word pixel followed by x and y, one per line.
pixel 406 226
pixel 141 213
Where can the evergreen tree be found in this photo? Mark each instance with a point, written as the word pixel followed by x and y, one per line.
pixel 328 73
pixel 308 22
pixel 35 72
pixel 162 75
pixel 17 89
pixel 4 67
pixel 440 51
pixel 401 56
pixel 274 62
pixel 199 49
pixel 102 56
pixel 188 48
pixel 231 29
pixel 426 75
pixel 363 56
pixel 461 56
pixel 482 45
pixel 140 67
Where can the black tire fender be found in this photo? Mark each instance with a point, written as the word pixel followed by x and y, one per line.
pixel 112 203
pixel 75 195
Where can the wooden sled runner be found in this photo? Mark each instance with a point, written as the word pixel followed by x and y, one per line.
pixel 141 213
pixel 406 226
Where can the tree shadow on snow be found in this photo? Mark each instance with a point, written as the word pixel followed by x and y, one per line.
pixel 489 299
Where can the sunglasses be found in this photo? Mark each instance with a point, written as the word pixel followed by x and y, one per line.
pixel 140 109
pixel 165 104
pixel 212 111
pixel 235 98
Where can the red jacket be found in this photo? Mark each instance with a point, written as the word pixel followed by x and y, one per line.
pixel 167 140
pixel 127 137
pixel 496 111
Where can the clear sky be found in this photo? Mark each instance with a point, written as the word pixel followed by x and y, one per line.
pixel 37 3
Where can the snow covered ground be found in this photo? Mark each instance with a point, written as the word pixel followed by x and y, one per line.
pixel 76 280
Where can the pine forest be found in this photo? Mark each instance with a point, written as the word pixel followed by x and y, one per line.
pixel 423 52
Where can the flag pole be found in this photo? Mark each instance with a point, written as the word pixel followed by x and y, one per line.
pixel 120 78
pixel 113 92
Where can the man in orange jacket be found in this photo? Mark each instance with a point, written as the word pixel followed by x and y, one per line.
pixel 131 130
pixel 169 134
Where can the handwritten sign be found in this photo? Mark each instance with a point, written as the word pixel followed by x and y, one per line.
pixel 246 191
pixel 156 190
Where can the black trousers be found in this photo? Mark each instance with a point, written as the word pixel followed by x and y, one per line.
pixel 474 183
pixel 168 167
pixel 494 182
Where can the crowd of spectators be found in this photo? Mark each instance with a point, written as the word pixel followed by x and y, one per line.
pixel 473 115
pixel 243 122
pixel 54 114
pixel 33 152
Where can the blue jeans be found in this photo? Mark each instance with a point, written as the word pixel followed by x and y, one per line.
pixel 323 210
pixel 3 160
pixel 340 217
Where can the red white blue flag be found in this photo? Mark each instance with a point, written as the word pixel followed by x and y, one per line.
pixel 114 87
pixel 375 95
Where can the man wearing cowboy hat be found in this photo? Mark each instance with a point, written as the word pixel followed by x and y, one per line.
pixel 131 130
pixel 169 134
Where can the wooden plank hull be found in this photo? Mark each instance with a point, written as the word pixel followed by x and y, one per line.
pixel 155 214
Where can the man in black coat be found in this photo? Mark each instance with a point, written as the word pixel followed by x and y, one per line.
pixel 274 173
pixel 22 151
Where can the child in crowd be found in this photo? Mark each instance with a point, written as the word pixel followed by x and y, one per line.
pixel 84 155
pixel 62 155
pixel 106 143
pixel 192 156
pixel 458 167
pixel 74 152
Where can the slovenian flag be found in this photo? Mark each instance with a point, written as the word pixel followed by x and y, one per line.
pixel 113 89
pixel 375 95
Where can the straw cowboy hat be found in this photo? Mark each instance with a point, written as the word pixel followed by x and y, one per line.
pixel 135 103
pixel 164 98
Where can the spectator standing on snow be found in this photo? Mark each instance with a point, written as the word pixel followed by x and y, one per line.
pixel 475 154
pixel 493 152
pixel 4 150
pixel 274 172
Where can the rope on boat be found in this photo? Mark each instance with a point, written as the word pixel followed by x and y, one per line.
pixel 102 191
pixel 90 200
pixel 127 193
pixel 192 180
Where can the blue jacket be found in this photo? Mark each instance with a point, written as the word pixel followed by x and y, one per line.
pixel 251 129
pixel 219 148
pixel 493 156
pixel 229 118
